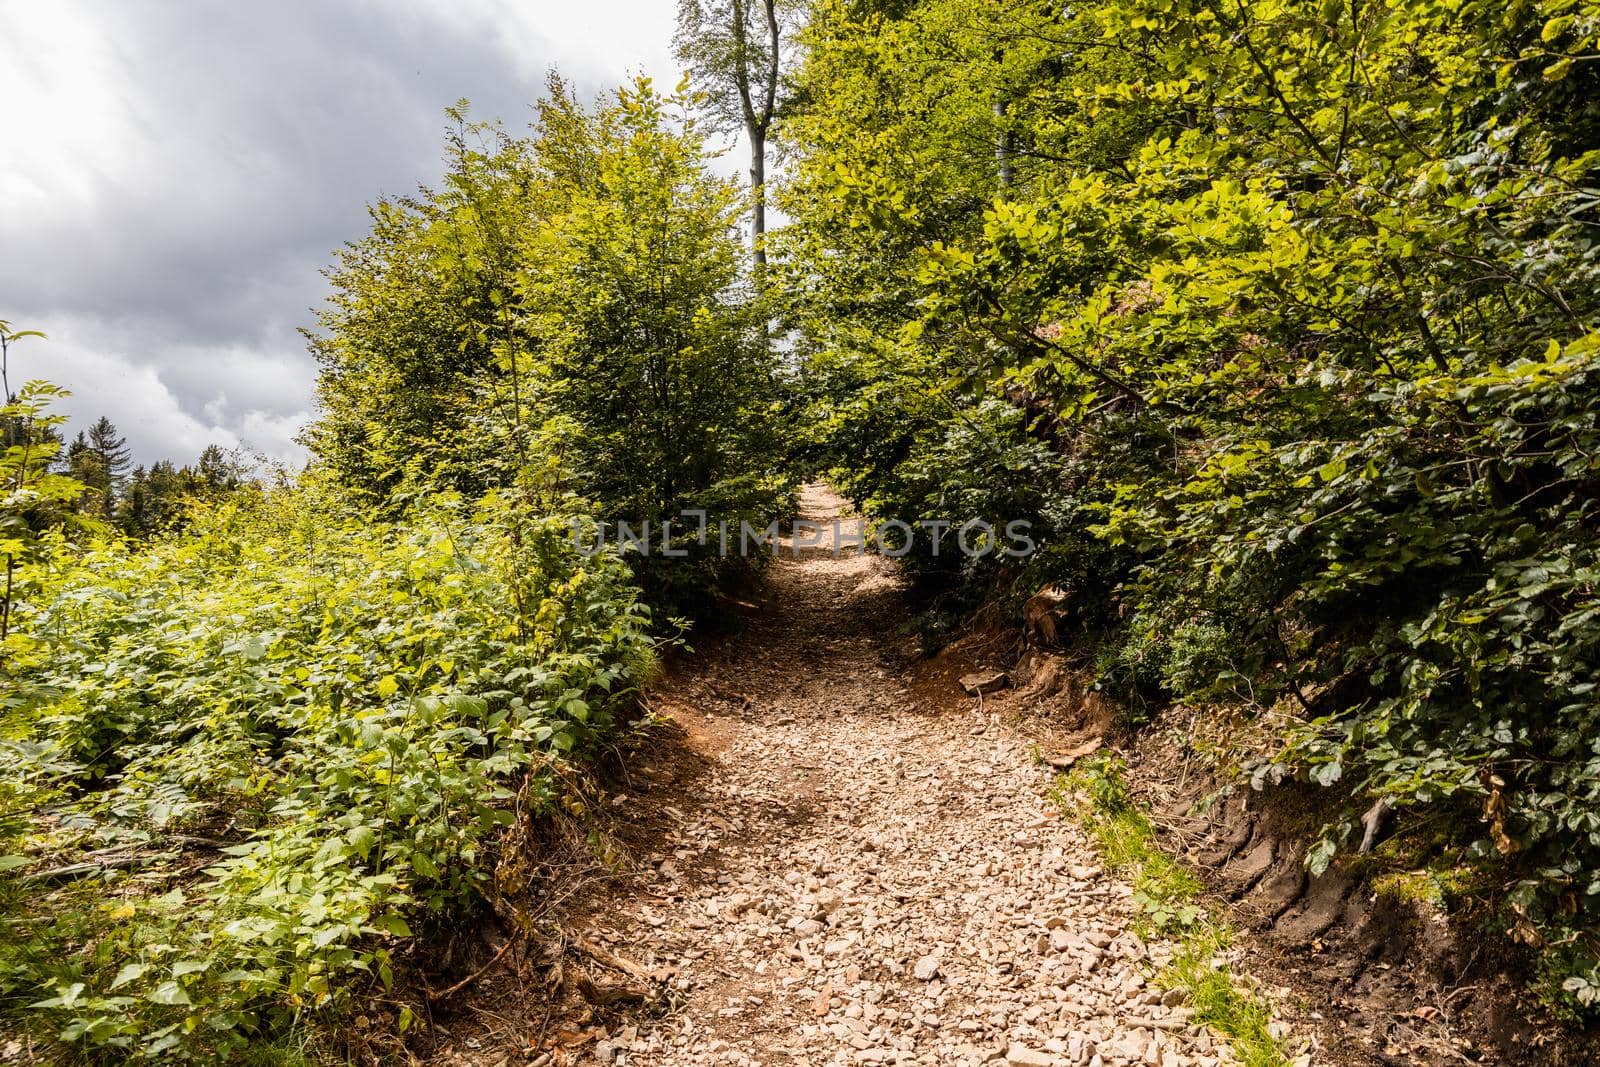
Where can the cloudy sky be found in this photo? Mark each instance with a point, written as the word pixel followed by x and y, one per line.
pixel 177 172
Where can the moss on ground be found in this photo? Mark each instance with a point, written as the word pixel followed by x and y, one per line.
pixel 1169 896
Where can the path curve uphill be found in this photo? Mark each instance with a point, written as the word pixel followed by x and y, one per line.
pixel 843 874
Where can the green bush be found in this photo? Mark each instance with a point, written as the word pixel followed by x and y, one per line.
pixel 566 307
pixel 1300 301
pixel 355 711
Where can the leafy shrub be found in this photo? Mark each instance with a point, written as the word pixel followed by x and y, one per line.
pixel 1303 300
pixel 569 305
pixel 1153 659
pixel 356 710
pixel 975 463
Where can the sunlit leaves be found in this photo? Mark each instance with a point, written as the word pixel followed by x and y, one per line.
pixel 253 680
pixel 1301 297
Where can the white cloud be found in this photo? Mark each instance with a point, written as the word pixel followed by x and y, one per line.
pixel 134 397
pixel 177 175
pixel 260 402
pixel 601 42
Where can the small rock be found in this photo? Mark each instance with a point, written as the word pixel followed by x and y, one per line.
pixel 982 684
pixel 1020 1055
pixel 927 969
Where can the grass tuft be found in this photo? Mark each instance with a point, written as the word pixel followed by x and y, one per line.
pixel 1168 893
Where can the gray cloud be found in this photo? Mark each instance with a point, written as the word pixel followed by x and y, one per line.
pixel 177 175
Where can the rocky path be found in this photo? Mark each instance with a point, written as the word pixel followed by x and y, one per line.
pixel 849 870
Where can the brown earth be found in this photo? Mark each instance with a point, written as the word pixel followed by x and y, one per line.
pixel 1390 979
pixel 832 855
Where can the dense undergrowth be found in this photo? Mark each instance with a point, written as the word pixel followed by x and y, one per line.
pixel 568 302
pixel 1279 323
pixel 244 762
pixel 1276 321
pixel 241 765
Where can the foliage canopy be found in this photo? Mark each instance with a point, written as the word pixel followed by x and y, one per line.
pixel 1284 318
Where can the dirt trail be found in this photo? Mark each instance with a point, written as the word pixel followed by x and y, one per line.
pixel 850 867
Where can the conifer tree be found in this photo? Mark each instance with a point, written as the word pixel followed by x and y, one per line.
pixel 113 455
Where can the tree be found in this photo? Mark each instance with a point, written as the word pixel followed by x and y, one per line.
pixel 566 311
pixel 734 50
pixel 648 349
pixel 33 498
pixel 159 499
pixel 216 471
pixel 134 510
pixel 83 464
pixel 16 430
pixel 1302 300
pixel 420 340
pixel 113 456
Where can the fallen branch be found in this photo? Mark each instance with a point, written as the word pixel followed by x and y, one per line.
pixel 600 954
pixel 606 994
pixel 214 844
pixel 106 860
pixel 642 985
pixel 73 871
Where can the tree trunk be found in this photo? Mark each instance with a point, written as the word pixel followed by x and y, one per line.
pixel 5 605
pixel 758 226
pixel 758 205
pixel 1002 145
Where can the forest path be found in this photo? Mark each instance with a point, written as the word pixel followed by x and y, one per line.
pixel 848 862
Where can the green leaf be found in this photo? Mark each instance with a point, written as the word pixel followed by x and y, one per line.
pixel 130 972
pixel 170 993
pixel 361 838
pixel 392 923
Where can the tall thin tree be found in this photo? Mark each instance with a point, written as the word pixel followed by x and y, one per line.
pixel 733 51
